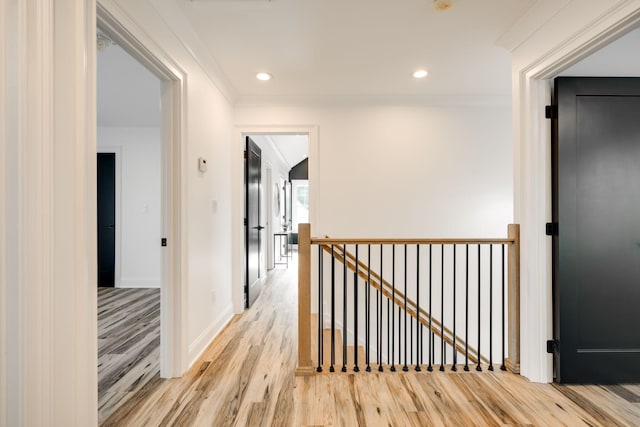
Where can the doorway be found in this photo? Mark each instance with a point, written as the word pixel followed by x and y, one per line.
pixel 106 172
pixel 253 226
pixel 170 240
pixel 268 233
pixel 596 170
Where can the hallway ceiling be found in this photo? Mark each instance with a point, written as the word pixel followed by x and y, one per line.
pixel 358 47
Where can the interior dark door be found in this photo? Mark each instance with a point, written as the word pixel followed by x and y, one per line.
pixel 597 247
pixel 106 172
pixel 252 220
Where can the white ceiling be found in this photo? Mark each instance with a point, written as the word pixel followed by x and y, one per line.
pixel 294 148
pixel 128 93
pixel 358 47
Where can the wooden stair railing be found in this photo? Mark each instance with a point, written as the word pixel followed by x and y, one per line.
pixel 305 364
pixel 436 327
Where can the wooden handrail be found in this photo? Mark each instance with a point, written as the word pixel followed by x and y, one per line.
pixel 358 241
pixel 304 291
pixel 386 289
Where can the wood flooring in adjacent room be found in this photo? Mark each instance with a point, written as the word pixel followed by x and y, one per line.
pixel 128 345
pixel 246 378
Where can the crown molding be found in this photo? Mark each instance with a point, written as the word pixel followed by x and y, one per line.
pixel 501 100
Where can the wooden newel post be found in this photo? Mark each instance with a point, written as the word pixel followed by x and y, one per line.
pixel 304 300
pixel 513 359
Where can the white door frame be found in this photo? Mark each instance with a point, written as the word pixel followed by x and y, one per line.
pixel 3 227
pixel 269 216
pixel 237 179
pixel 173 324
pixel 532 185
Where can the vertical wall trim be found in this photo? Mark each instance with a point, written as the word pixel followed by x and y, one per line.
pixel 15 47
pixel 36 174
pixel 3 227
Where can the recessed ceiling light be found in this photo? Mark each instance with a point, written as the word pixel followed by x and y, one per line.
pixel 420 74
pixel 264 76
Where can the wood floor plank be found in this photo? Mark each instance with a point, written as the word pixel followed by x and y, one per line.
pixel 128 346
pixel 246 378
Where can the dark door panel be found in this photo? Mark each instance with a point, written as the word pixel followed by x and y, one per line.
pixel 597 250
pixel 253 165
pixel 106 173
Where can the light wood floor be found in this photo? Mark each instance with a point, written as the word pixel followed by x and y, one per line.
pixel 246 378
pixel 128 344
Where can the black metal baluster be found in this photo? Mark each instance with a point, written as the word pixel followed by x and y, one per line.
pixel 430 367
pixel 388 333
pixel 491 307
pixel 333 310
pixel 344 309
pixel 405 368
pixel 418 324
pixel 466 311
pixel 380 301
pixel 478 366
pixel 455 349
pixel 504 343
pixel 443 344
pixel 320 311
pixel 355 314
pixel 368 316
pixel 393 293
pixel 399 334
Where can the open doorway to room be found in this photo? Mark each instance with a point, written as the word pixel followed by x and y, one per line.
pixel 157 145
pixel 272 208
pixel 129 218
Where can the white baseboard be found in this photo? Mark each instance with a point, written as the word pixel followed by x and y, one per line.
pixel 201 343
pixel 139 283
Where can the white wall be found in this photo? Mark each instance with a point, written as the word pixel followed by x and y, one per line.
pixel 138 203
pixel 394 170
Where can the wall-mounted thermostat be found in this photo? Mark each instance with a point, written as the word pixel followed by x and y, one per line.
pixel 202 164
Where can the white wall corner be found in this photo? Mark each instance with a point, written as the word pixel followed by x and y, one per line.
pixel 200 344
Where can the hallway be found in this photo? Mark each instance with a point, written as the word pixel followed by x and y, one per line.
pixel 246 378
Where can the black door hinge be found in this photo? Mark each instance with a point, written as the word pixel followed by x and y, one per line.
pixel 245 154
pixel 163 241
pixel 551 112
pixel 551 228
pixel 551 346
pixel 245 221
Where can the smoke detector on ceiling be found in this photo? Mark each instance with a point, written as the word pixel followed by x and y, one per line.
pixel 442 5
